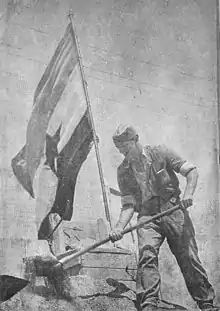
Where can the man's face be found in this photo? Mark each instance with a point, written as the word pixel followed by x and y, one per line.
pixel 128 148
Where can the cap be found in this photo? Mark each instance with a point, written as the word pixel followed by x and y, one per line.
pixel 124 133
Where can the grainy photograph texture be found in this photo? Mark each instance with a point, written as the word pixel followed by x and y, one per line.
pixel 109 155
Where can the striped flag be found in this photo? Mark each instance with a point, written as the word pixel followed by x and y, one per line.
pixel 59 132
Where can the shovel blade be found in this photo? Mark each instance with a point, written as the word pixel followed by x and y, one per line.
pixel 10 285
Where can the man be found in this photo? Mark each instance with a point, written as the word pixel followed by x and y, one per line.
pixel 149 185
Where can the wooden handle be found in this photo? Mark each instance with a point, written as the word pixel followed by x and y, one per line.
pixel 65 260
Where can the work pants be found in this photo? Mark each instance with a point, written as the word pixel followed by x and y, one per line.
pixel 179 232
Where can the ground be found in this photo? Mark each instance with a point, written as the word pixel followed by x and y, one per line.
pixel 90 294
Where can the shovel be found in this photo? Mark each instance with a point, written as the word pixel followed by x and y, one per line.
pixel 71 257
pixel 10 285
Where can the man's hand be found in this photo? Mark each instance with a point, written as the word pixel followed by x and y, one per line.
pixel 187 201
pixel 124 218
pixel 116 234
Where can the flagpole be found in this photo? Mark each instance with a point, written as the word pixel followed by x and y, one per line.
pixel 105 200
pixel 218 65
pixel 218 78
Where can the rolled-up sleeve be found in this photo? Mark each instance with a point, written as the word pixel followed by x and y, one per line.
pixel 127 200
pixel 173 159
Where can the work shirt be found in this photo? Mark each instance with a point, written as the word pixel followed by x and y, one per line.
pixel 154 177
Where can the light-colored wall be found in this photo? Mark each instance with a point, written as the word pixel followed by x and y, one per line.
pixel 148 63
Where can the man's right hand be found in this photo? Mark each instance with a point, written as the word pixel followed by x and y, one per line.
pixel 116 234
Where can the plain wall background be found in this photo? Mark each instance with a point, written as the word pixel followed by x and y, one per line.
pixel 148 63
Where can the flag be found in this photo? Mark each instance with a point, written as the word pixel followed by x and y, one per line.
pixel 59 131
pixel 68 164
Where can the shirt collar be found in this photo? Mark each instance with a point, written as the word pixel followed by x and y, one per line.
pixel 146 154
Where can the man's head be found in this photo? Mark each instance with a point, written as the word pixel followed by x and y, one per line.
pixel 125 139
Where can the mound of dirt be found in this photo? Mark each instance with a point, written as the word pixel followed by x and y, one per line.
pixel 88 294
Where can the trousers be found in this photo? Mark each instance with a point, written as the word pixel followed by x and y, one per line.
pixel 179 232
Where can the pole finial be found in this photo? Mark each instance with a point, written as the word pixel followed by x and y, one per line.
pixel 70 13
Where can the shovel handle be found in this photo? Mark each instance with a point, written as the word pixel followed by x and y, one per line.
pixel 67 259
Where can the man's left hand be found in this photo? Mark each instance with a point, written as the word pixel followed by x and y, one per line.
pixel 186 202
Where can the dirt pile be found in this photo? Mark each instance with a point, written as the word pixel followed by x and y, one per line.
pixel 88 294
